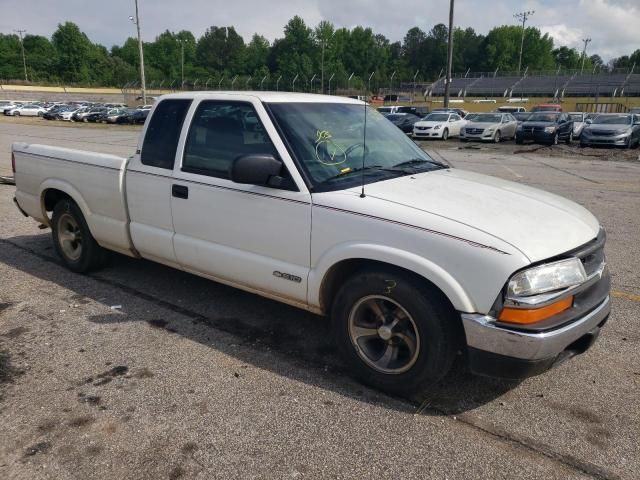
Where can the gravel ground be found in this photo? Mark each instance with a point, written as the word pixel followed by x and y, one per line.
pixel 141 371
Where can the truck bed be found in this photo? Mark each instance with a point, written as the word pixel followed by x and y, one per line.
pixel 95 181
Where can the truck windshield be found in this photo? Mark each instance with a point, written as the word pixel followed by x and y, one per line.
pixel 327 139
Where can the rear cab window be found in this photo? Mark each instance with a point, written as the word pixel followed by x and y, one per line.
pixel 161 138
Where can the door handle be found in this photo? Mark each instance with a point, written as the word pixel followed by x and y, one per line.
pixel 180 191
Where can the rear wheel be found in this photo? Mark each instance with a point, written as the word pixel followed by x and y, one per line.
pixel 445 134
pixel 72 239
pixel 394 332
pixel 570 138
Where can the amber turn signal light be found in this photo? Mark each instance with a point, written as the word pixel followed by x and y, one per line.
pixel 528 316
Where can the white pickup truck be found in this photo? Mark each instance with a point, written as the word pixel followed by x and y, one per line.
pixel 322 203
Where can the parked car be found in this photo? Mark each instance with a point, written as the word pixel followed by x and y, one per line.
pixel 547 107
pixel 113 115
pixel 521 116
pixel 621 130
pixel 29 111
pixel 511 109
pixel 546 128
pixel 425 265
pixel 67 115
pixel 78 115
pixel 96 115
pixel 133 116
pixel 492 127
pixel 418 111
pixel 55 112
pixel 579 120
pixel 11 109
pixel 439 125
pixel 635 110
pixel 389 109
pixel 404 121
pixel 459 111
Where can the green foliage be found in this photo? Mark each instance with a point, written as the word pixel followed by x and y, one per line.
pixel 304 51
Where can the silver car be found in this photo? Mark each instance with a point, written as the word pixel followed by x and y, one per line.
pixel 620 129
pixel 579 121
pixel 492 127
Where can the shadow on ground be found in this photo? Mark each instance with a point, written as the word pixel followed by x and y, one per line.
pixel 295 335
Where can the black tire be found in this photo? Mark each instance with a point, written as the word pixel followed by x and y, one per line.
pixel 428 313
pixel 445 134
pixel 497 137
pixel 91 255
pixel 17 114
pixel 556 139
pixel 519 140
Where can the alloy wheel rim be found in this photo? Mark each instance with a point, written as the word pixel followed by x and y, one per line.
pixel 384 334
pixel 69 237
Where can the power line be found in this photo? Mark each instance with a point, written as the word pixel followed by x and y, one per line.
pixel 136 21
pixel 447 86
pixel 524 16
pixel 24 58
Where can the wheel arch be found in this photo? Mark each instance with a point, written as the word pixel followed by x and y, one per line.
pixel 325 279
pixel 52 191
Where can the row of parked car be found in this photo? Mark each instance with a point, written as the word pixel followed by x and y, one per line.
pixel 78 111
pixel 546 124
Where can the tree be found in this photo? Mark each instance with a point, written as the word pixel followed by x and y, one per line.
pixel 220 49
pixel 501 49
pixel 72 52
pixel 567 58
pixel 256 54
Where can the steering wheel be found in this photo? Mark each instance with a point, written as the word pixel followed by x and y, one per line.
pixel 355 146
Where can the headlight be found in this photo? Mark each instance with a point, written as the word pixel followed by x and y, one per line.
pixel 549 129
pixel 463 131
pixel 437 127
pixel 547 278
pixel 623 132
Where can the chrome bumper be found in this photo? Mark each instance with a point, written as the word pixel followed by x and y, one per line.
pixel 483 334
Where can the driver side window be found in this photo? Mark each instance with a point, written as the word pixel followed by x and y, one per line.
pixel 220 132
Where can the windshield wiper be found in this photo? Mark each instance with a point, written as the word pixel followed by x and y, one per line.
pixel 418 161
pixel 361 169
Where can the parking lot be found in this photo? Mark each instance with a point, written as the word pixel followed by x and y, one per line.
pixel 141 371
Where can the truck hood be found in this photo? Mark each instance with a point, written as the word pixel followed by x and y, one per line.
pixel 537 223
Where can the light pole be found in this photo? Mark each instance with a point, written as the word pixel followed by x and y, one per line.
pixel 24 58
pixel 586 41
pixel 136 22
pixel 181 62
pixel 522 16
pixel 331 78
pixel 447 85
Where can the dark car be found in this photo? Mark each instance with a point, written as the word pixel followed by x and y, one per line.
pixel 97 115
pixel 621 130
pixel 546 128
pixel 133 116
pixel 521 116
pixel 547 107
pixel 419 111
pixel 54 112
pixel 404 121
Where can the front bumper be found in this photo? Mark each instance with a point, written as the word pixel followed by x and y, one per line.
pixel 537 137
pixel 614 140
pixel 430 133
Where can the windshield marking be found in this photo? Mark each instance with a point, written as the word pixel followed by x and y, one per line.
pixel 323 137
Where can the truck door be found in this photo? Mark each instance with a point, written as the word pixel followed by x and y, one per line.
pixel 149 180
pixel 247 235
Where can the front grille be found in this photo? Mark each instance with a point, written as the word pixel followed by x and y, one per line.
pixel 604 133
pixel 423 128
pixel 474 131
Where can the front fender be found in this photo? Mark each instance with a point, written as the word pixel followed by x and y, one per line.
pixel 393 256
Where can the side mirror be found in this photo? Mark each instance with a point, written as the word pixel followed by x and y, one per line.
pixel 589 121
pixel 256 169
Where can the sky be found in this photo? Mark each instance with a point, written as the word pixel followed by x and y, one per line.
pixel 613 25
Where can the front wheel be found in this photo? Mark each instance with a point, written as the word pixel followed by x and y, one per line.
pixel 72 239
pixel 497 137
pixel 570 138
pixel 394 332
pixel 556 139
pixel 445 134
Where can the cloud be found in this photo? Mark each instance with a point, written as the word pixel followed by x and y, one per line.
pixel 612 24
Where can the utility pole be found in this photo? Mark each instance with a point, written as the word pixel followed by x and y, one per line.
pixel 136 21
pixel 522 16
pixel 586 41
pixel 24 58
pixel 181 61
pixel 447 84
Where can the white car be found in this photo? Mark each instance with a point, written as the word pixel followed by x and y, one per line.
pixel 492 127
pixel 67 115
pixel 414 262
pixel 389 109
pixel 439 125
pixel 579 120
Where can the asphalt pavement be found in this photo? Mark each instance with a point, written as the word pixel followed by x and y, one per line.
pixel 142 371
